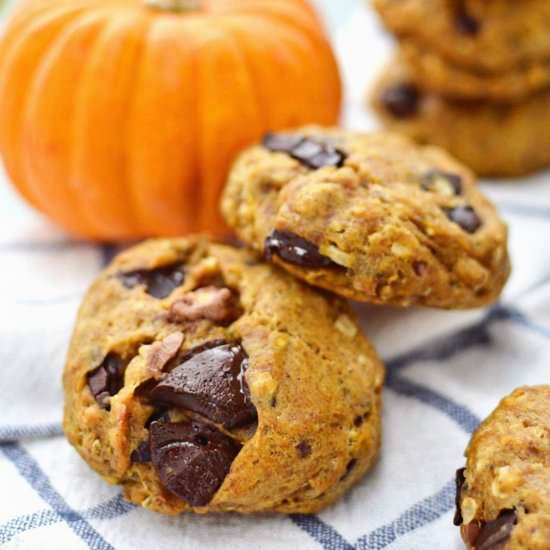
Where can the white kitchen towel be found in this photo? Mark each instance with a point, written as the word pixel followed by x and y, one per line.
pixel 446 371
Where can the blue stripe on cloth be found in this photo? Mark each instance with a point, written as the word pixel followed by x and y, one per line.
pixel 37 479
pixel 418 515
pixel 111 509
pixel 466 419
pixel 38 431
pixel 321 532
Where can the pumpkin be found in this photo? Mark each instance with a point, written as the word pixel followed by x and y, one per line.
pixel 119 118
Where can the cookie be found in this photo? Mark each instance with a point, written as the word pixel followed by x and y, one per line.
pixel 436 74
pixel 503 494
pixel 496 35
pixel 373 217
pixel 201 379
pixel 493 139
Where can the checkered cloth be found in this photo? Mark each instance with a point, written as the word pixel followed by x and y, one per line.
pixel 446 371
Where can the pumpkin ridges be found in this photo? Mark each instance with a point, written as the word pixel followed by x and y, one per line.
pixel 217 109
pixel 47 123
pixel 100 119
pixel 162 180
pixel 18 62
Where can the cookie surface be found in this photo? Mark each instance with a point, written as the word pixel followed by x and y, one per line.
pixel 201 379
pixel 369 216
pixel 434 73
pixel 491 35
pixel 492 139
pixel 503 494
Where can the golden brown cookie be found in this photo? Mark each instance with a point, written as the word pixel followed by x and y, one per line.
pixel 436 74
pixel 372 217
pixel 201 379
pixel 495 35
pixel 493 139
pixel 503 494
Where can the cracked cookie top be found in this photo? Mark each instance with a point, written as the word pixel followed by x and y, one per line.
pixel 200 378
pixel 369 216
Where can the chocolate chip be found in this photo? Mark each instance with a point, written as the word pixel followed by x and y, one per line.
pixel 349 467
pixel 281 143
pixel 141 454
pixel 464 22
pixel 161 415
pixel 460 479
pixel 304 449
pixel 210 382
pixel 442 182
pixel 358 421
pixel 107 379
pixel 158 282
pixel 465 217
pixel 295 250
pixel 191 459
pixel 401 101
pixel 311 152
pixel 495 533
pixel 316 155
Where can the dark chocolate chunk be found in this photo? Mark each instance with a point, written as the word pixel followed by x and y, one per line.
pixel 311 152
pixel 459 480
pixel 402 101
pixel 304 449
pixel 465 217
pixel 295 250
pixel 191 459
pixel 465 23
pixel 107 379
pixel 316 155
pixel 141 454
pixel 210 382
pixel 349 467
pixel 495 533
pixel 158 282
pixel 431 179
pixel 281 143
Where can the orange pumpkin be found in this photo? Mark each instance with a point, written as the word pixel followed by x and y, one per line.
pixel 120 118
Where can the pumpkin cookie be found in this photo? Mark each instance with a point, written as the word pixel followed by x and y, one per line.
pixel 503 494
pixel 202 380
pixel 369 216
pixel 436 74
pixel 494 139
pixel 496 35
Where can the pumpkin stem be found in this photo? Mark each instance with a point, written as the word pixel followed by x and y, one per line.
pixel 176 6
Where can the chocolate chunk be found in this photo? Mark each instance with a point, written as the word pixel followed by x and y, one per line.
pixel 158 282
pixel 311 152
pixel 316 155
pixel 349 467
pixel 107 379
pixel 460 479
pixel 495 533
pixel 304 449
pixel 464 22
pixel 191 459
pixel 295 250
pixel 281 143
pixel 211 383
pixel 465 217
pixel 445 183
pixel 401 101
pixel 218 305
pixel 141 454
pixel 358 421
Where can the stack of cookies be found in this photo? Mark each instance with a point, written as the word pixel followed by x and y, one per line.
pixel 472 76
pixel 208 378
